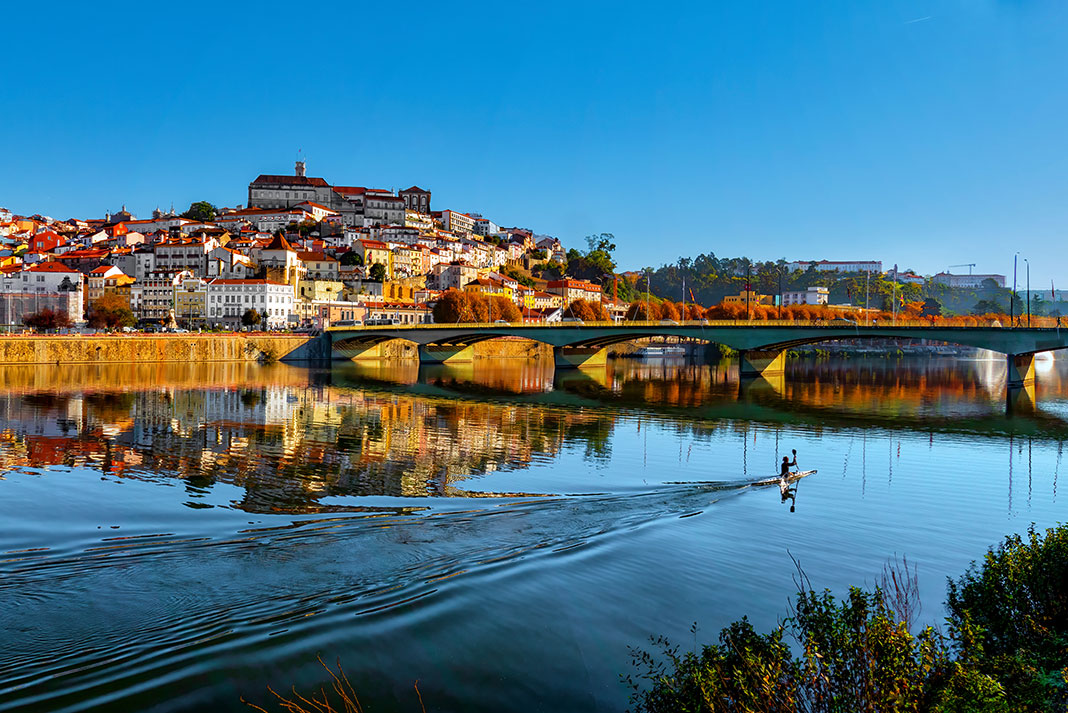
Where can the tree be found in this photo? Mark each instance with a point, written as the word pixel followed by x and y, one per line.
pixel 201 211
pixel 110 312
pixel 643 310
pixel 669 311
pixel 303 228
pixel 251 317
pixel 987 307
pixel 378 272
pixel 596 264
pixel 46 320
pixel 454 306
pixel 501 307
pixel 518 276
pixel 581 309
pixel 931 308
pixel 351 258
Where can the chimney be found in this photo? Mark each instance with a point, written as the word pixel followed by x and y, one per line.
pixel 300 169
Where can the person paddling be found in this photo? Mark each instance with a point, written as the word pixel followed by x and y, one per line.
pixel 784 480
pixel 786 465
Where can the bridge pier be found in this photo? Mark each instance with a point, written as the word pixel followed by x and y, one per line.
pixel 1020 401
pixel 753 363
pixel 357 352
pixel 446 353
pixel 1021 370
pixel 579 357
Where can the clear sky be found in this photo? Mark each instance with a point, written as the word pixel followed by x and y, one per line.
pixel 919 132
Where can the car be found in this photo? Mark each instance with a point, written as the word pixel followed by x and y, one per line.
pixel 501 321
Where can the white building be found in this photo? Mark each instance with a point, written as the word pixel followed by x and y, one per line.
pixel 875 266
pixel 811 296
pixel 457 222
pixel 152 296
pixel 485 226
pixel 228 300
pixel 967 281
pixel 266 219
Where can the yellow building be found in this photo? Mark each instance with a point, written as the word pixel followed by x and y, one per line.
pixel 320 289
pixel 490 287
pixel 190 300
pixel 750 297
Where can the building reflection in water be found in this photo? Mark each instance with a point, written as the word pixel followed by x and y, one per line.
pixel 289 437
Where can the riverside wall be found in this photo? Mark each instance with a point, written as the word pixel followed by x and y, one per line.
pixel 138 348
pixel 196 348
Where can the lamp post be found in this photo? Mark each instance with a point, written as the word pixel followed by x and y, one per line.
pixel 780 294
pixel 1012 300
pixel 1028 264
pixel 747 290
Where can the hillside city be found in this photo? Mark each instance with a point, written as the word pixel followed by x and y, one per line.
pixel 306 254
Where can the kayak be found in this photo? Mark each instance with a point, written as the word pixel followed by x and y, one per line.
pixel 795 475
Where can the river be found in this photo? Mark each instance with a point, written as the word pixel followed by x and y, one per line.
pixel 174 537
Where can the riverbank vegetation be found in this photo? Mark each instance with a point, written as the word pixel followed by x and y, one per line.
pixel 1005 649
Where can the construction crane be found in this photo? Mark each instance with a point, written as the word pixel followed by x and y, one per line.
pixel 968 265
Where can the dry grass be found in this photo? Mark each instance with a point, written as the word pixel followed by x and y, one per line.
pixel 339 698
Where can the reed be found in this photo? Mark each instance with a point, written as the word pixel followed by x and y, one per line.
pixel 339 697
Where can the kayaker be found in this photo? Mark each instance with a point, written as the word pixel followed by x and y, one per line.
pixel 786 465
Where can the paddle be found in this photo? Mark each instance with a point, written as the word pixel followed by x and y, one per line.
pixel 793 500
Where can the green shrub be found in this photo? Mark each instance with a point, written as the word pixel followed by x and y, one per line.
pixel 856 655
pixel 1009 618
pixel 1007 648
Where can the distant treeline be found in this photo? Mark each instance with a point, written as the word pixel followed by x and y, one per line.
pixel 708 279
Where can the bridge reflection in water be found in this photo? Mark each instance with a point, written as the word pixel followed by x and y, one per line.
pixel 273 429
pixel 761 346
pixel 290 437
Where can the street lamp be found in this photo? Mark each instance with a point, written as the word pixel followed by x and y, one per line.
pixel 1012 300
pixel 1028 264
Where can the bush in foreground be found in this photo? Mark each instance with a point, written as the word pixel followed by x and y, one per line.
pixel 1007 648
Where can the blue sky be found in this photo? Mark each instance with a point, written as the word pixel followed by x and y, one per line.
pixel 918 132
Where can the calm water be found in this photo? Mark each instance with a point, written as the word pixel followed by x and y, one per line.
pixel 173 537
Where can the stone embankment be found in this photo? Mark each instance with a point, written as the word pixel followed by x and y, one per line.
pixel 141 348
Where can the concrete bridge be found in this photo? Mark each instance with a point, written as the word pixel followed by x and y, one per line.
pixel 761 345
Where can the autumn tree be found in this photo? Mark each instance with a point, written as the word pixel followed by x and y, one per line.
pixel 453 306
pixel 587 311
pixel 110 312
pixel 642 310
pixel 46 320
pixel 501 307
pixel 668 310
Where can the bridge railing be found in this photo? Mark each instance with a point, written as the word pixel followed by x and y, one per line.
pixel 660 324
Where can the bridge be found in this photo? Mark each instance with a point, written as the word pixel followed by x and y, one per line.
pixel 761 345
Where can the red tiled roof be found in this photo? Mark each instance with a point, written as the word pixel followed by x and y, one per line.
pixel 52 267
pixel 279 243
pixel 315 257
pixel 272 180
pixel 313 204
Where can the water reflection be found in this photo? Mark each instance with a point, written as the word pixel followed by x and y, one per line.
pixel 174 535
pixel 290 437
